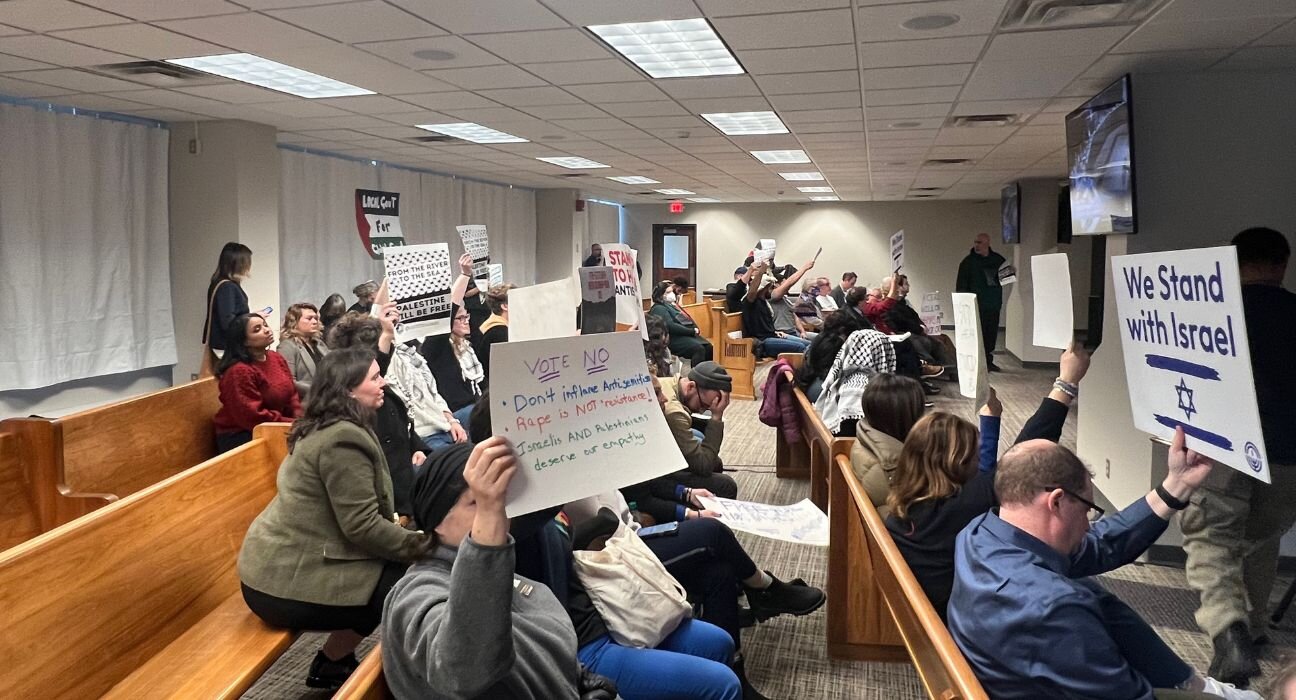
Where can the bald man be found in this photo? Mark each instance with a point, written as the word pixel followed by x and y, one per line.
pixel 1023 610
pixel 979 274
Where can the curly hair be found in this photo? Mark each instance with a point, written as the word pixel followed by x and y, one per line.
pixel 938 457
pixel 355 330
pixel 497 297
pixel 331 402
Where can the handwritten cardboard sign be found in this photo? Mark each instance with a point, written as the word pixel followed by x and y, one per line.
pixel 418 279
pixel 598 300
pixel 542 311
pixel 582 414
pixel 1187 359
pixel 1054 315
pixel 629 303
pixel 477 244
pixel 378 221
pixel 974 380
pixel 931 313
pixel 897 250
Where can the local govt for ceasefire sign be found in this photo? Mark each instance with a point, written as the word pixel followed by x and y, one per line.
pixel 1187 361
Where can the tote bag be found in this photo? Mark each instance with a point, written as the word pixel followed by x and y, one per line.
pixel 639 600
pixel 207 366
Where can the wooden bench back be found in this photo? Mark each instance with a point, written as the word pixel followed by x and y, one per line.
pixel 87 603
pixel 822 447
pixel 19 520
pixel 944 671
pixel 701 314
pixel 737 356
pixel 367 681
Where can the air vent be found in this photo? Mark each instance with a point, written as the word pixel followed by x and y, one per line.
pixel 980 120
pixel 439 138
pixel 654 194
pixel 927 189
pixel 946 161
pixel 922 196
pixel 1024 15
pixel 572 175
pixel 157 73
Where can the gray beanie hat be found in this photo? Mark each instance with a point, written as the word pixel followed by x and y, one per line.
pixel 709 375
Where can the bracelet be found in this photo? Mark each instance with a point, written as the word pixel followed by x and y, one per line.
pixel 1066 387
pixel 1171 501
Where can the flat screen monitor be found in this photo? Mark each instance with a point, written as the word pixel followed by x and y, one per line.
pixel 1100 157
pixel 1010 205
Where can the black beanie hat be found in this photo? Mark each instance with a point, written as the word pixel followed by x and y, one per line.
pixel 709 375
pixel 440 485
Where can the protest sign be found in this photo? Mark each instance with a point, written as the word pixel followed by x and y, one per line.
pixel 802 522
pixel 542 311
pixel 931 313
pixel 476 244
pixel 1007 274
pixel 598 300
pixel 629 304
pixel 974 380
pixel 1054 315
pixel 418 280
pixel 897 250
pixel 1187 360
pixel 494 275
pixel 765 249
pixel 378 220
pixel 826 302
pixel 582 414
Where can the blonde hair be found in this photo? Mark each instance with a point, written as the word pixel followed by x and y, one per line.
pixel 291 317
pixel 938 457
pixel 497 297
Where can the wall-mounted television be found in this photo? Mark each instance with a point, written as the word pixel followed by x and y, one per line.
pixel 1010 206
pixel 1100 157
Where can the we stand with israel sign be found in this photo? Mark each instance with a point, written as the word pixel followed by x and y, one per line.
pixel 1187 361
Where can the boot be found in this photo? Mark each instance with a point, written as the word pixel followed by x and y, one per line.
pixel 1235 658
pixel 749 691
pixel 328 674
pixel 783 598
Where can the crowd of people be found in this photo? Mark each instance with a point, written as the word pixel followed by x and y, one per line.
pixel 391 504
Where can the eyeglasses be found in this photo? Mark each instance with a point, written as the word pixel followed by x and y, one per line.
pixel 461 318
pixel 1094 513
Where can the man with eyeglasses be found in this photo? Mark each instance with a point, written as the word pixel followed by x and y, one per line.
pixel 706 388
pixel 1023 610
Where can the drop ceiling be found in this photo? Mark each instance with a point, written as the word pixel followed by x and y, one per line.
pixel 867 99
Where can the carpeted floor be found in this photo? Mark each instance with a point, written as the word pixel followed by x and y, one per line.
pixel 786 657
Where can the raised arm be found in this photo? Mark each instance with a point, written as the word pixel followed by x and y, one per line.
pixel 1047 422
pixel 460 286
pixel 753 277
pixel 791 281
pixel 990 418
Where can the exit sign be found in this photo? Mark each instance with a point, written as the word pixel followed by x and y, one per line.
pixel 677 207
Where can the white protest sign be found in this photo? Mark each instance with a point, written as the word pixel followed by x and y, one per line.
pixel 931 313
pixel 582 414
pixel 598 300
pixel 494 276
pixel 974 380
pixel 418 280
pixel 1187 360
pixel 802 522
pixel 476 244
pixel 378 220
pixel 765 249
pixel 542 311
pixel 826 302
pixel 622 258
pixel 1007 274
pixel 1054 315
pixel 897 250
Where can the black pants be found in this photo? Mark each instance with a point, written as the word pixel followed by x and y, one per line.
pixel 706 558
pixel 286 613
pixel 722 485
pixel 989 330
pixel 228 441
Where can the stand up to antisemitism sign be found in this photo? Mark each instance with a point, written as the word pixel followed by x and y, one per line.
pixel 1187 361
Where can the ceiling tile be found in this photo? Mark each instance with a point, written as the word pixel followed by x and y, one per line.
pixel 723 8
pixel 483 16
pixel 801 60
pixel 1197 10
pixel 1010 80
pixel 52 15
pixel 239 93
pixel 302 108
pixel 170 99
pixel 354 22
pixel 910 96
pixel 351 65
pixel 798 83
pixel 1029 46
pixel 600 93
pixel 487 77
pixel 999 107
pixel 787 29
pixel 542 46
pixel 569 111
pixel 148 10
pixel 101 103
pixel 922 52
pixel 1261 58
pixel 583 72
pixel 6 30
pixel 584 13
pixel 583 124
pixel 916 76
pixel 489 115
pixel 528 97
pixel 936 109
pixel 442 101
pixel 1116 65
pixel 9 64
pixel 820 100
pixel 57 51
pixel 910 124
pixel 970 136
pixel 726 86
pixel 370 104
pixel 463 54
pixel 1210 34
pixel 170 115
pixel 713 105
pixel 885 22
pixel 27 89
pixel 141 41
pixel 660 108
pixel 78 80
pixel 249 31
pixel 667 122
pixel 811 116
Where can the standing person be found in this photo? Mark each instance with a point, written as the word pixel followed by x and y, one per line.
pixel 1232 535
pixel 595 258
pixel 325 551
pixel 225 296
pixel 301 344
pixel 255 383
pixel 365 292
pixel 839 292
pixel 979 274
pixel 685 337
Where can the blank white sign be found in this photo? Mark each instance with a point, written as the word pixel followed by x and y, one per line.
pixel 1054 314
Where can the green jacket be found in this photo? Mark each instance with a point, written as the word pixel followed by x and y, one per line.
pixel 327 533
pixel 980 275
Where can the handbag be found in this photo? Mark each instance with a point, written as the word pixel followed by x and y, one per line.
pixel 207 365
pixel 629 586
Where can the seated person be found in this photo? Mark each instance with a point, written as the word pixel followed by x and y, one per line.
pixel 865 355
pixel 874 305
pixel 858 300
pixel 786 320
pixel 301 342
pixel 821 354
pixel 890 406
pixel 840 291
pixel 324 553
pixel 758 315
pixel 706 388
pixel 737 289
pixel 661 362
pixel 412 380
pixel 1023 610
pixel 807 308
pixel 333 308
pixel 903 318
pixel 495 328
pixel 682 285
pixel 685 337
pixel 364 293
pixel 451 358
pixel 256 385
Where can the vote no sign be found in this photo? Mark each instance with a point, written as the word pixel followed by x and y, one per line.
pixel 1187 361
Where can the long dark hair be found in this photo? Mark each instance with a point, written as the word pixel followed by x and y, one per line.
pixel 337 375
pixel 657 347
pixel 235 259
pixel 236 343
pixel 893 404
pixel 824 348
pixel 331 310
pixel 660 290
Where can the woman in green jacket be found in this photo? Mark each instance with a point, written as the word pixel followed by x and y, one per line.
pixel 685 338
pixel 325 552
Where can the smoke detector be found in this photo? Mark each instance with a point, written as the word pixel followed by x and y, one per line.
pixel 1023 15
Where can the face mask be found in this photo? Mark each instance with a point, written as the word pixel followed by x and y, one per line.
pixel 669 297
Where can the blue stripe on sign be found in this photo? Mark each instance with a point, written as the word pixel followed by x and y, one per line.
pixel 1182 367
pixel 1205 436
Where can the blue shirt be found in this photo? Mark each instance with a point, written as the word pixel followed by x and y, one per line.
pixel 1029 622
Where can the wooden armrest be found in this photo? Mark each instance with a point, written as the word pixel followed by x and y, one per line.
pixel 366 682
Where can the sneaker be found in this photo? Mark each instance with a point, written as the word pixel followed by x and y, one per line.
pixel 782 598
pixel 328 674
pixel 930 389
pixel 928 404
pixel 1228 690
pixel 932 370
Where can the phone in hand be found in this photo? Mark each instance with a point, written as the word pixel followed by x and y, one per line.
pixel 659 530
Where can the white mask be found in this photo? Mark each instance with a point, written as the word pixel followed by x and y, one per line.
pixel 669 297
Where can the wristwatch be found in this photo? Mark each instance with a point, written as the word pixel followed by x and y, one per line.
pixel 1171 501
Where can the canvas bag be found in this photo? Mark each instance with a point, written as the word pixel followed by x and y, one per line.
pixel 207 366
pixel 639 600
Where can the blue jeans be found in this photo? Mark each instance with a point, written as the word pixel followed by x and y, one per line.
pixel 463 414
pixel 771 347
pixel 436 441
pixel 690 664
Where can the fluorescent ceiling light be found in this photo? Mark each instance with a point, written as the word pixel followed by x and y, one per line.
pixel 675 191
pixel 785 156
pixel 801 176
pixel 635 180
pixel 747 123
pixel 473 132
pixel 677 48
pixel 815 189
pixel 825 198
pixel 704 200
pixel 574 162
pixel 249 68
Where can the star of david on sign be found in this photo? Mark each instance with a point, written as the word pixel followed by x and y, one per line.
pixel 1186 399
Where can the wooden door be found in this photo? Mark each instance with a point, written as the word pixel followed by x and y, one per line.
pixel 674 253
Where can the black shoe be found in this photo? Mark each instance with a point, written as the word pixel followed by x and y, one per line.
pixel 328 674
pixel 1235 658
pixel 749 691
pixel 930 389
pixel 992 367
pixel 783 598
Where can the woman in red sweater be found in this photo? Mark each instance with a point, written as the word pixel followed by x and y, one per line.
pixel 256 385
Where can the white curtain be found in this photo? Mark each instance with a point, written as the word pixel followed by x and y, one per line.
pixel 319 247
pixel 84 248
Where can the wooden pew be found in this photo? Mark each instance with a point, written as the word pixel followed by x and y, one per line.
pixel 701 314
pixel 18 515
pixel 885 610
pixel 736 355
pixel 367 682
pixel 81 462
pixel 812 456
pixel 141 598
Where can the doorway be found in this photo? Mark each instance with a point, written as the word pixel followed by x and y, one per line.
pixel 675 255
